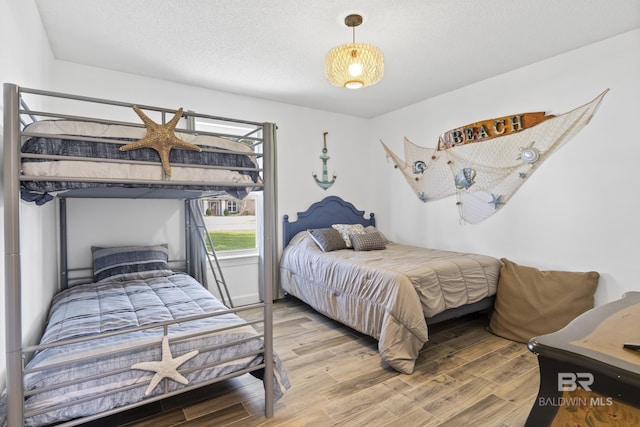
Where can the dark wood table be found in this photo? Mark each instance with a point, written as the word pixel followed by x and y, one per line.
pixel 587 378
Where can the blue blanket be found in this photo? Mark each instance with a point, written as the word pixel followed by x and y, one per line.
pixel 93 309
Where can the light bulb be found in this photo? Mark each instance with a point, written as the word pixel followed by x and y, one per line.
pixel 354 84
pixel 355 69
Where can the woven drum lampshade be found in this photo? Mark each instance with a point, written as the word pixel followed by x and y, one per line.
pixel 354 65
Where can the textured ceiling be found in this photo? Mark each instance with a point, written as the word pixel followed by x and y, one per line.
pixel 274 49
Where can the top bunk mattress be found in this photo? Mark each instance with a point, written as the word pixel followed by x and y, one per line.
pixel 62 155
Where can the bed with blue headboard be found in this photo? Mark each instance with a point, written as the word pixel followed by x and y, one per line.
pixel 322 214
pixel 384 289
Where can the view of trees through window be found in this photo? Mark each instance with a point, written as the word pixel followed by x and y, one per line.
pixel 232 222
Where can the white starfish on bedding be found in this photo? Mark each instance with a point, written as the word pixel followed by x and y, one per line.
pixel 165 368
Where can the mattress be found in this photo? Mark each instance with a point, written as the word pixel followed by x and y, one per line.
pixel 105 364
pixel 386 294
pixel 87 155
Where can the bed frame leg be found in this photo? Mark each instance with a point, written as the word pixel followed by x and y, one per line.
pixel 269 251
pixel 12 282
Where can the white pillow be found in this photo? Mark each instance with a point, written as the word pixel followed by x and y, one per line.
pixel 346 229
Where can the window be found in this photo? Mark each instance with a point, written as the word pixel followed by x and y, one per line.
pixel 232 207
pixel 233 224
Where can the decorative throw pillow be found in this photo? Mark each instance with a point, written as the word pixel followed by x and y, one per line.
pixel 130 262
pixel 368 242
pixel 346 229
pixel 530 302
pixel 327 239
pixel 372 229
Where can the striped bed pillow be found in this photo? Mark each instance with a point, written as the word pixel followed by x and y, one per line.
pixel 130 262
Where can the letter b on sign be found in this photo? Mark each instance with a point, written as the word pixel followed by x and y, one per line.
pixel 568 381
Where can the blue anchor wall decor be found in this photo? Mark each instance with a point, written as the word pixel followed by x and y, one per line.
pixel 324 183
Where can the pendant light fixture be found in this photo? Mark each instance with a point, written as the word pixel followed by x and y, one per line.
pixel 354 65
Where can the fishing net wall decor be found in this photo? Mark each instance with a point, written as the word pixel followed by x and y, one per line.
pixel 485 163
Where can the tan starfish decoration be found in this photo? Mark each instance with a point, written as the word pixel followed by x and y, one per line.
pixel 165 368
pixel 161 138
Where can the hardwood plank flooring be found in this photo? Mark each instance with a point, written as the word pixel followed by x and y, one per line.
pixel 464 376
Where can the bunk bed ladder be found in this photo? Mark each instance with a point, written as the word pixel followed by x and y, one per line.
pixel 196 221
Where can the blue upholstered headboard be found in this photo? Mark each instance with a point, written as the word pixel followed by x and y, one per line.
pixel 322 214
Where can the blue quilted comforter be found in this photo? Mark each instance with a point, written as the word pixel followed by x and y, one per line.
pixel 93 309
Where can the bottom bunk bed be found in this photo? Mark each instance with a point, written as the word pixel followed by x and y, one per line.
pixel 131 341
pixel 386 290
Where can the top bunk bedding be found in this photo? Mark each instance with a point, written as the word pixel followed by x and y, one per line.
pixel 60 155
pixel 77 146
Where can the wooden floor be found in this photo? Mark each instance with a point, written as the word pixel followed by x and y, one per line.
pixel 464 376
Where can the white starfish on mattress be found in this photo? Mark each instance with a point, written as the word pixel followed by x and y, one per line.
pixel 165 368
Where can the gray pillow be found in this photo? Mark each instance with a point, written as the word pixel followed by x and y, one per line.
pixel 368 241
pixel 327 239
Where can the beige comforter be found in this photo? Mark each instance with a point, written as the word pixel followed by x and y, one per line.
pixel 386 294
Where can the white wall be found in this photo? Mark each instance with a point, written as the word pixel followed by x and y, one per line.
pixel 118 222
pixel 577 212
pixel 241 275
pixel 26 59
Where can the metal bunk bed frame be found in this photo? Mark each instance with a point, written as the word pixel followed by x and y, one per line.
pixel 14 110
